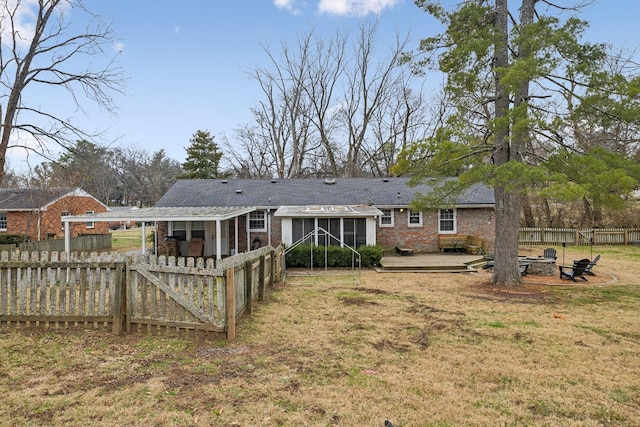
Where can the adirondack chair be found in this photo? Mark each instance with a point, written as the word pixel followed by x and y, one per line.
pixel 549 253
pixel 591 265
pixel 577 271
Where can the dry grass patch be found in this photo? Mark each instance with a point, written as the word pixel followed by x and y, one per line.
pixel 416 349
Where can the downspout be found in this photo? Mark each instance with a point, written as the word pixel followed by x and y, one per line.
pixel 235 221
pixel 269 226
pixel 247 232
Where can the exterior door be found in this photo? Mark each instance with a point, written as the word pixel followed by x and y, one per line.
pixel 210 242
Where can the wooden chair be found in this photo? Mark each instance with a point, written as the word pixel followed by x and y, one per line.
pixel 577 271
pixel 549 253
pixel 591 265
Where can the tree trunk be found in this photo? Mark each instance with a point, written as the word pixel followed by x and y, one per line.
pixel 506 271
pixel 529 219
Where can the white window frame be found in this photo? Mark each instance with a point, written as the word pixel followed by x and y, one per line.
pixel 411 212
pixel 454 219
pixel 263 219
pixel 390 216
pixel 4 221
pixel 91 224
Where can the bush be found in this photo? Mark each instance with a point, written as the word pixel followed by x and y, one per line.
pixel 300 256
pixel 11 239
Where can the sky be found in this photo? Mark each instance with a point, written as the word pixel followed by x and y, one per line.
pixel 185 63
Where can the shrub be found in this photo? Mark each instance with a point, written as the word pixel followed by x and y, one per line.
pixel 11 239
pixel 334 256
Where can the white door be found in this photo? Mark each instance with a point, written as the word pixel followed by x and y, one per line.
pixel 210 243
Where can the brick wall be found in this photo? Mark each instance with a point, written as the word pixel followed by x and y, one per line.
pixel 474 222
pixel 50 219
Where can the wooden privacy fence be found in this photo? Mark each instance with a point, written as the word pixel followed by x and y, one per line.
pixel 143 294
pixel 576 237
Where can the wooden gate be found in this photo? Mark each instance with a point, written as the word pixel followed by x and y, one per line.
pixel 169 296
pixel 152 295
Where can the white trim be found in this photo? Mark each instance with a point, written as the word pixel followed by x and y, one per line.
pixel 264 221
pixel 391 215
pixel 411 211
pixel 455 222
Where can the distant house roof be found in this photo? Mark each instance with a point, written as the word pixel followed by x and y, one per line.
pixel 380 192
pixel 30 199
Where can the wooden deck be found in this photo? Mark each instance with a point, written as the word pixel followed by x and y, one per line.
pixel 431 262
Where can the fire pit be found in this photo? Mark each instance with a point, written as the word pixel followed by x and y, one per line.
pixel 539 266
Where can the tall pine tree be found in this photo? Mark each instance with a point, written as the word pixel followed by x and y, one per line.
pixel 203 158
pixel 515 80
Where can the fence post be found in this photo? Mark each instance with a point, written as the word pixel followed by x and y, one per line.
pixel 261 281
pixel 230 304
pixel 248 283
pixel 119 299
pixel 272 276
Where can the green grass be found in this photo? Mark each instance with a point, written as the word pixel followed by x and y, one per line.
pixel 131 239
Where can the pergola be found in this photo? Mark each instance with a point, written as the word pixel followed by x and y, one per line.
pixel 157 214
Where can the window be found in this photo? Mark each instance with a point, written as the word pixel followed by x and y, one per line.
pixel 179 229
pixel 197 229
pixel 3 220
pixel 64 213
pixel 447 221
pixel 258 221
pixel 90 224
pixel 415 218
pixel 352 231
pixel 386 220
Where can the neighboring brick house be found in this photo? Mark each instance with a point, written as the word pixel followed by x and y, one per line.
pixel 37 213
pixel 356 210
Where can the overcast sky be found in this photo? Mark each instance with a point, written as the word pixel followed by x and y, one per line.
pixel 185 62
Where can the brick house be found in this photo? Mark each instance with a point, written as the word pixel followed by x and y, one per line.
pixel 356 211
pixel 228 216
pixel 37 213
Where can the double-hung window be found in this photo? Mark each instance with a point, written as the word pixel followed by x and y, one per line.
pixel 386 219
pixel 447 221
pixel 3 221
pixel 415 218
pixel 258 221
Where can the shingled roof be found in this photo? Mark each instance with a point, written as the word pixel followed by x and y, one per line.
pixel 29 199
pixel 381 192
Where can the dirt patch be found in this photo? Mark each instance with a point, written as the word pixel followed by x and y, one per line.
pixel 535 289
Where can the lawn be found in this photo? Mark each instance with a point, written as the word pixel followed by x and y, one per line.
pixel 130 239
pixel 418 349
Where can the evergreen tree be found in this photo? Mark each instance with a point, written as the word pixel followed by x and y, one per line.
pixel 519 83
pixel 203 158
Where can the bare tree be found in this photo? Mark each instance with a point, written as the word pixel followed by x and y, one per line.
pixel 144 178
pixel 333 107
pixel 41 48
